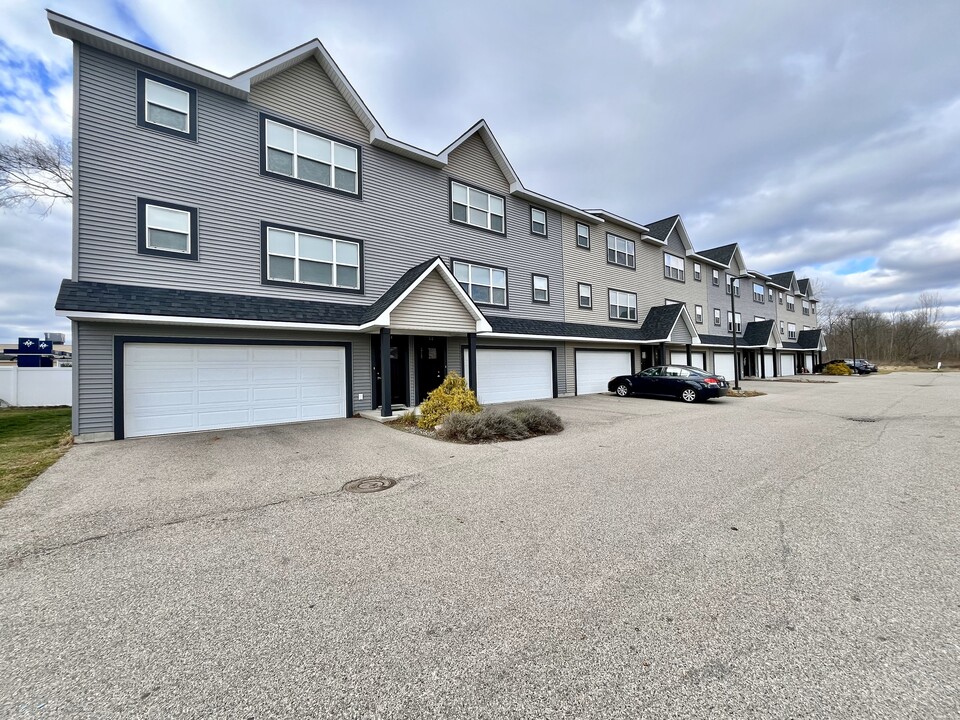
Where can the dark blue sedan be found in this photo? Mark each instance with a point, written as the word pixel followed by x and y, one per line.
pixel 690 384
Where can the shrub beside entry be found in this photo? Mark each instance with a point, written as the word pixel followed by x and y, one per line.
pixel 519 423
pixel 837 369
pixel 452 396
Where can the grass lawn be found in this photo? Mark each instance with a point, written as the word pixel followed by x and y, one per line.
pixel 31 440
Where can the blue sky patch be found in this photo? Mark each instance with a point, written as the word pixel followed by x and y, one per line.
pixel 856 265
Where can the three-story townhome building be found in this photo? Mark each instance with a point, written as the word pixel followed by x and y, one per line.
pixel 256 249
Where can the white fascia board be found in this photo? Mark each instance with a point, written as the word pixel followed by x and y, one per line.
pixel 481 128
pixel 209 322
pixel 758 275
pixel 610 217
pixel 559 338
pixel 77 31
pixel 688 322
pixel 380 139
pixel 682 231
pixel 779 287
pixel 518 190
pixel 708 261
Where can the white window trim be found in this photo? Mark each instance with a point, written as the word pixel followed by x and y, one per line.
pixel 717 317
pixel 534 211
pixel 613 301
pixel 545 288
pixel 579 235
pixel 715 277
pixel 589 296
pixel 334 144
pixel 734 282
pixel 762 295
pixel 698 314
pixel 791 303
pixel 791 331
pixel 630 253
pixel 334 263
pixel 734 319
pixel 697 272
pixel 469 285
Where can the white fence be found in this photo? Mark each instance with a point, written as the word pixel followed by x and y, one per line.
pixel 34 387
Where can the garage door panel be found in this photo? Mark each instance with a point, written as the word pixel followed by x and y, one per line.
pixel 768 364
pixel 723 365
pixel 787 365
pixel 510 375
pixel 229 386
pixel 595 368
pixel 678 358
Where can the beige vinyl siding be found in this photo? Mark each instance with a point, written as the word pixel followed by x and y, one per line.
pixel 655 288
pixel 680 333
pixel 93 361
pixel 472 162
pixel 402 219
pixel 432 307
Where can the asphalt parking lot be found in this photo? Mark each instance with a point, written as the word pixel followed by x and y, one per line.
pixel 792 555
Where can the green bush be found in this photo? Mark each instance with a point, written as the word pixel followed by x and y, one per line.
pixel 452 396
pixel 519 423
pixel 538 420
pixel 837 369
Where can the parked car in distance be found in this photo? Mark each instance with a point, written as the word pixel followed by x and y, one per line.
pixel 859 366
pixel 690 384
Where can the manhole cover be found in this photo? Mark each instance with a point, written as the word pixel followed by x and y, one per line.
pixel 370 484
pixel 861 419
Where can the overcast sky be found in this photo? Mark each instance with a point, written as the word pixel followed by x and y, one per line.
pixel 822 136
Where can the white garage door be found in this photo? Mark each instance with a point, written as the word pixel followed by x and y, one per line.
pixel 723 365
pixel 678 357
pixel 768 364
pixel 505 375
pixel 697 359
pixel 787 365
pixel 173 388
pixel 596 367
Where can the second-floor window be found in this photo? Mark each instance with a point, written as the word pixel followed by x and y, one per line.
pixel 166 106
pixel 791 304
pixel 312 158
pixel 733 320
pixel 698 314
pixel 770 294
pixel 813 308
pixel 697 271
pixel 583 235
pixel 716 277
pixel 484 284
pixel 672 267
pixel 805 304
pixel 758 292
pixel 716 317
pixel 623 305
pixel 780 297
pixel 167 230
pixel 294 256
pixel 538 221
pixel 477 207
pixel 734 283
pixel 621 251
pixel 585 295
pixel 541 289
pixel 791 331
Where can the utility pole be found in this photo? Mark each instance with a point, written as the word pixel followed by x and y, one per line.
pixel 853 342
pixel 733 327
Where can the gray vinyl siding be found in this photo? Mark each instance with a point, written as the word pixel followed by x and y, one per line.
pixel 432 306
pixel 717 298
pixel 591 267
pixel 656 289
pixel 680 333
pixel 402 219
pixel 93 362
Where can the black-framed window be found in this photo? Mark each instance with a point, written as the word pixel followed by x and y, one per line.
pixel 698 314
pixel 731 317
pixel 541 288
pixel 485 284
pixel 476 207
pixel 734 283
pixel 716 317
pixel 791 303
pixel 583 235
pixel 167 229
pixel 770 295
pixel 805 304
pixel 716 277
pixel 673 267
pixel 585 296
pixel 623 305
pixel 813 307
pixel 294 256
pixel 780 297
pixel 758 293
pixel 538 221
pixel 697 272
pixel 791 331
pixel 782 330
pixel 294 152
pixel 166 106
pixel 621 251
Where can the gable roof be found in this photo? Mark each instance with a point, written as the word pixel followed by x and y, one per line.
pixel 611 217
pixel 804 286
pixel 782 280
pixel 660 230
pixel 661 320
pixel 757 333
pixel 481 129
pixel 722 255
pixel 811 339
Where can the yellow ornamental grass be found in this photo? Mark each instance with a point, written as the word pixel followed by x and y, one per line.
pixel 837 369
pixel 453 395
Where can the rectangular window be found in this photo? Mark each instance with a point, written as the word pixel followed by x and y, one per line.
pixel 673 267
pixel 781 328
pixel 735 283
pixel 780 297
pixel 770 294
pixel 485 284
pixel 791 303
pixel 585 295
pixel 541 288
pixel 758 292
pixel 166 106
pixel 538 221
pixel 621 251
pixel 293 152
pixel 698 314
pixel 583 235
pixel 730 320
pixel 166 230
pixel 623 305
pixel 813 308
pixel 716 278
pixel 791 331
pixel 475 207
pixel 304 258
pixel 697 271
pixel 805 304
pixel 716 317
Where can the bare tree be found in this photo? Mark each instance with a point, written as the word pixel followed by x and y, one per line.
pixel 35 173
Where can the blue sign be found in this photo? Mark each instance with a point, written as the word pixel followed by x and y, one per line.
pixel 29 346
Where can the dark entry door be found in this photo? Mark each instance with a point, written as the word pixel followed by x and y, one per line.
pixel 431 362
pixel 646 358
pixel 399 367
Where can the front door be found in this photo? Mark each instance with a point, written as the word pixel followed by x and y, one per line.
pixel 646 358
pixel 431 362
pixel 399 364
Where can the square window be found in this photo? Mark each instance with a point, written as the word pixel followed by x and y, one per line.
pixel 166 106
pixel 306 156
pixel 541 288
pixel 538 221
pixel 585 295
pixel 167 230
pixel 583 235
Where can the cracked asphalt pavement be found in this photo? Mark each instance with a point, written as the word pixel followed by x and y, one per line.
pixel 788 556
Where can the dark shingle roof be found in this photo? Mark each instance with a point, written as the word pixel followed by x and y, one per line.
pixel 716 340
pixel 782 279
pixel 804 285
pixel 396 290
pixel 659 322
pixel 809 339
pixel 525 326
pixel 722 254
pixel 757 333
pixel 136 300
pixel 661 228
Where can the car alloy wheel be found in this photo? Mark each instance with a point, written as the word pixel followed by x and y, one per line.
pixel 689 395
pixel 623 390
